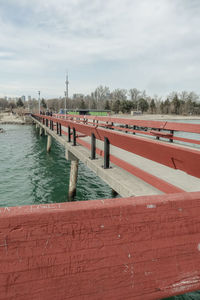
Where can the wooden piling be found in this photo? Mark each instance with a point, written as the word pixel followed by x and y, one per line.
pixel 49 139
pixel 73 179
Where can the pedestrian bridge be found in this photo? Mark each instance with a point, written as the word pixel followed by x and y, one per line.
pixel 134 157
pixel 144 245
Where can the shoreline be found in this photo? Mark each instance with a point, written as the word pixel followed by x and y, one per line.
pixel 9 118
pixel 12 123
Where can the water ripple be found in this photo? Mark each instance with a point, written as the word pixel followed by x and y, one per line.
pixel 30 175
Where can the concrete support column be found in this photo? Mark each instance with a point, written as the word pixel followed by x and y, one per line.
pixel 73 179
pixel 41 131
pixel 73 174
pixel 49 139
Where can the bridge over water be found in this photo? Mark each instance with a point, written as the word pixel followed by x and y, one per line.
pixel 145 245
pixel 134 157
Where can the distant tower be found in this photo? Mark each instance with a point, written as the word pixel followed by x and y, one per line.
pixel 23 98
pixel 39 100
pixel 66 92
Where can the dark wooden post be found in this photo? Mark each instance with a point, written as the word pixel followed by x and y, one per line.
pixel 126 126
pixel 171 140
pixel 106 153
pixel 158 136
pixel 74 137
pixel 69 134
pixel 93 146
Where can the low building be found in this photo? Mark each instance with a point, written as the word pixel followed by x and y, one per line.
pixel 92 112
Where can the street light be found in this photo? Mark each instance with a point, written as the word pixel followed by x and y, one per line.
pixel 66 94
pixel 39 100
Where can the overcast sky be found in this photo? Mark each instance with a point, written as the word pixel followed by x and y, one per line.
pixel 153 45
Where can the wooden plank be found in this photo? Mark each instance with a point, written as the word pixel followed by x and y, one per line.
pixel 162 134
pixel 185 140
pixel 167 125
pixel 130 248
pixel 186 127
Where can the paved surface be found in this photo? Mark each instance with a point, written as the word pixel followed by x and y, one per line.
pixel 176 177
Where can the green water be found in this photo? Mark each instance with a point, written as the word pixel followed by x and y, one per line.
pixel 189 296
pixel 30 175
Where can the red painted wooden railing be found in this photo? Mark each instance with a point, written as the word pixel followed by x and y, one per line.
pixel 171 155
pixel 167 125
pixel 131 248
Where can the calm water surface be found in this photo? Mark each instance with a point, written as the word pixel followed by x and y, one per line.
pixel 30 175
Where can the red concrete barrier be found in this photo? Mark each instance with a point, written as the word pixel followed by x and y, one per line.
pixel 134 248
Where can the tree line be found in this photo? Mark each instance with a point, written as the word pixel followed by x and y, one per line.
pixel 118 101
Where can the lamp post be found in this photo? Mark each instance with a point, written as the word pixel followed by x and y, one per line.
pixel 39 100
pixel 66 93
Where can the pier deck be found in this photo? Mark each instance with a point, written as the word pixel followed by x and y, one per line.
pixel 144 247
pixel 129 174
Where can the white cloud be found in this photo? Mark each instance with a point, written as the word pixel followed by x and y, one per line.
pixel 146 44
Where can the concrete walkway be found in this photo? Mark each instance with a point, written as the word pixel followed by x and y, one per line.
pixel 176 177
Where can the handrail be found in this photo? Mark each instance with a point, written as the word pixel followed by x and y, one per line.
pixel 173 156
pixel 143 127
pixel 165 125
pixel 129 248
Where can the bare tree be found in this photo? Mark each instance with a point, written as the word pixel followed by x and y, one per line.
pixel 135 95
pixel 101 94
pixel 119 94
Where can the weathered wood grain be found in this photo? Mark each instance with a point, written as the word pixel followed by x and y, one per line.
pixel 133 248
